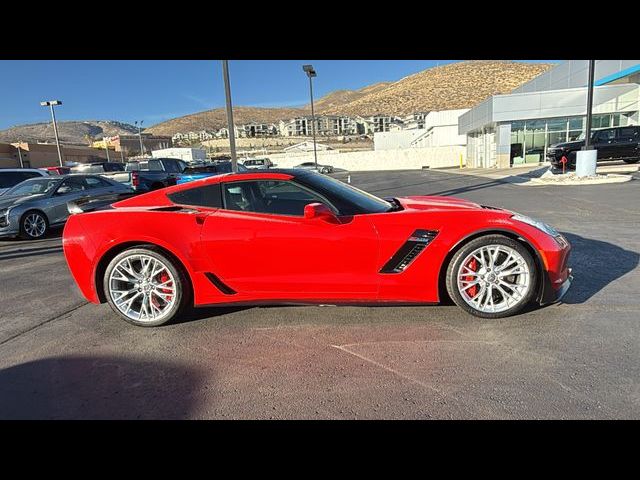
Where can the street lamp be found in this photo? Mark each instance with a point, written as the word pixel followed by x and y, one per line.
pixel 140 135
pixel 106 147
pixel 308 69
pixel 587 158
pixel 229 108
pixel 51 104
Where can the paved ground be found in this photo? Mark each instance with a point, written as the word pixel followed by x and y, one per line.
pixel 62 358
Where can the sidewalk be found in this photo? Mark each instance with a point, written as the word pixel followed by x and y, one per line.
pixel 531 175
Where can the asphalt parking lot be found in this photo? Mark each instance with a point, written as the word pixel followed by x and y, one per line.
pixel 63 358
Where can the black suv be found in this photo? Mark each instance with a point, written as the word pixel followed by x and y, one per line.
pixel 620 143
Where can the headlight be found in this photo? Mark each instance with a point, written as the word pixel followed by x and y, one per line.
pixel 549 230
pixel 4 217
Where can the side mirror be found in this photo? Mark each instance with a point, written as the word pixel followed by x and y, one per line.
pixel 320 211
pixel 64 189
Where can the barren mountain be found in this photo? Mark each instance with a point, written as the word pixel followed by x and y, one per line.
pixel 451 86
pixel 69 132
pixel 335 100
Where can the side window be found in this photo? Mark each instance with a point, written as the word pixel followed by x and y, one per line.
pixel 74 184
pixel 207 196
pixel 272 196
pixel 604 136
pixel 628 134
pixel 26 175
pixel 9 179
pixel 95 182
pixel 170 166
pixel 154 165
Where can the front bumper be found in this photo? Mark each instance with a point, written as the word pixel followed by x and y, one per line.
pixel 551 293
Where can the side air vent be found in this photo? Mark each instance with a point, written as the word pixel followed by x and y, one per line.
pixel 220 285
pixel 408 252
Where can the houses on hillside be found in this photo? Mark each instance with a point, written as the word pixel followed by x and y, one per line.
pixel 304 126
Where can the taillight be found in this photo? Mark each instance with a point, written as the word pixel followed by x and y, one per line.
pixel 135 181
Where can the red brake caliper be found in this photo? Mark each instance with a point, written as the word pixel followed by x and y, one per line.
pixel 163 278
pixel 473 265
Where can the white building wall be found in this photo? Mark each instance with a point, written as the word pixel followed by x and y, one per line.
pixel 186 154
pixel 398 159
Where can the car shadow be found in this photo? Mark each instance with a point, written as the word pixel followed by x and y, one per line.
pixel 595 265
pixel 98 387
pixel 202 313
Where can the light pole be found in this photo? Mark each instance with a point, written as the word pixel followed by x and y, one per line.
pixel 20 156
pixel 229 108
pixel 587 158
pixel 587 138
pixel 106 147
pixel 308 69
pixel 140 135
pixel 51 104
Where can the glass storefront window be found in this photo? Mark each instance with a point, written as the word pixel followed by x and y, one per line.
pixel 576 123
pixel 556 137
pixel 557 125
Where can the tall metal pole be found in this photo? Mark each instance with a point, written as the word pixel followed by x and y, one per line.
pixel 140 137
pixel 313 124
pixel 55 132
pixel 104 140
pixel 587 137
pixel 229 108
pixel 20 157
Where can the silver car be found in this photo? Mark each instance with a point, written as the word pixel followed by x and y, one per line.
pixel 30 208
pixel 312 166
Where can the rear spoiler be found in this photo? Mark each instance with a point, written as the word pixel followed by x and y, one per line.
pixel 94 204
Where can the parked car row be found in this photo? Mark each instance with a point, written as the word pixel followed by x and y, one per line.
pixel 33 200
pixel 31 207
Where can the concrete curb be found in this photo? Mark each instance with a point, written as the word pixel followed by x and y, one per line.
pixel 572 181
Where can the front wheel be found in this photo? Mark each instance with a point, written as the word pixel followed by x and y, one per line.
pixel 492 277
pixel 33 225
pixel 145 287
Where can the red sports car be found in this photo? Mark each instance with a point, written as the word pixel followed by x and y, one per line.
pixel 295 236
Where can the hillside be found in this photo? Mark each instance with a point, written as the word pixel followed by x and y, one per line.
pixel 335 100
pixel 69 132
pixel 217 118
pixel 451 86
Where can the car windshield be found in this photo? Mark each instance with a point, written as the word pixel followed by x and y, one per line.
pixel 331 187
pixel 34 186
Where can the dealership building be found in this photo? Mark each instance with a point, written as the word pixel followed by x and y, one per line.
pixel 518 128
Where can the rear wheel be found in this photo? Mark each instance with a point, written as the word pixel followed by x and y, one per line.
pixel 33 225
pixel 492 277
pixel 145 287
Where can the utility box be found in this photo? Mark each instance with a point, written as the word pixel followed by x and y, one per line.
pixel 186 154
pixel 586 161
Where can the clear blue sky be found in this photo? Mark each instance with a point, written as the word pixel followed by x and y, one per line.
pixel 157 90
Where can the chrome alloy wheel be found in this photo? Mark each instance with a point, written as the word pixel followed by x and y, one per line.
pixel 142 288
pixel 35 225
pixel 493 278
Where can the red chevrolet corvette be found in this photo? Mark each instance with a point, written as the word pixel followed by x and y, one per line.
pixel 292 236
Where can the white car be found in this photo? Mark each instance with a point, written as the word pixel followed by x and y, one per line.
pixel 9 177
pixel 257 163
pixel 312 166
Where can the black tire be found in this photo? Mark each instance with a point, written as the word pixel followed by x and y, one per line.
pixel 465 250
pixel 183 291
pixel 27 217
pixel 631 160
